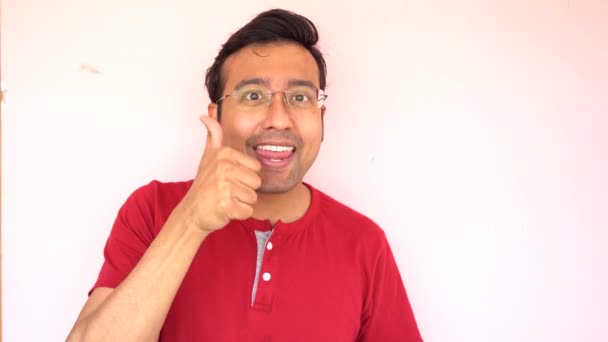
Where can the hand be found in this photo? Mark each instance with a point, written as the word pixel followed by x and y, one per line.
pixel 225 184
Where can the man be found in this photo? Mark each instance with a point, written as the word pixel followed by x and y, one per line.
pixel 246 251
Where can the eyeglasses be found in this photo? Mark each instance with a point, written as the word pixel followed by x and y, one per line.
pixel 299 98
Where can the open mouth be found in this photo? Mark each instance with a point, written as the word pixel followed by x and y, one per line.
pixel 274 156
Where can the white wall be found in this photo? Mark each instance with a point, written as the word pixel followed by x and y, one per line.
pixel 475 132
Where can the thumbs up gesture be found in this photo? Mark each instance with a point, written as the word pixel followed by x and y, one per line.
pixel 225 184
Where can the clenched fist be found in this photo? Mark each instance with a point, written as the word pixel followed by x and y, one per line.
pixel 225 184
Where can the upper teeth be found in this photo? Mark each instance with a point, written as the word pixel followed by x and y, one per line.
pixel 274 148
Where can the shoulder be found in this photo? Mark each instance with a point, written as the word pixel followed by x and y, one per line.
pixel 347 220
pixel 163 188
pixel 159 193
pixel 150 204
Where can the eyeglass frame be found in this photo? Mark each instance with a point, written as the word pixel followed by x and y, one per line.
pixel 321 97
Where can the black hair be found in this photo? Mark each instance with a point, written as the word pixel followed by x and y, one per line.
pixel 276 25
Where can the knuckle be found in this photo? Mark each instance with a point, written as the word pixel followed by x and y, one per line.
pixel 222 189
pixel 253 196
pixel 222 164
pixel 225 168
pixel 257 181
pixel 222 204
pixel 257 165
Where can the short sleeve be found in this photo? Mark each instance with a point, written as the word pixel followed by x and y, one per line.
pixel 387 314
pixel 131 234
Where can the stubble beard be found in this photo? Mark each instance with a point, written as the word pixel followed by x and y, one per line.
pixel 275 182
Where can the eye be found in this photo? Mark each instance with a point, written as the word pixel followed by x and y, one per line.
pixel 300 97
pixel 252 95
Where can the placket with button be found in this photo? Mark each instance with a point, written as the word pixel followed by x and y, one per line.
pixel 263 298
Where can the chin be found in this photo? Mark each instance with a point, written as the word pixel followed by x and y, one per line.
pixel 277 186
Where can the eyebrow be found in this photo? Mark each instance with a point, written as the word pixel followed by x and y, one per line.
pixel 299 83
pixel 266 82
pixel 249 81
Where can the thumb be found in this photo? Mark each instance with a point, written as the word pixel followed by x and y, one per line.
pixel 214 132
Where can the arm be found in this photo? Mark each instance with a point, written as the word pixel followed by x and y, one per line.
pixel 387 314
pixel 136 309
pixel 224 189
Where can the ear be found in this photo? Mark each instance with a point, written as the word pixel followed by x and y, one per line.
pixel 322 122
pixel 212 110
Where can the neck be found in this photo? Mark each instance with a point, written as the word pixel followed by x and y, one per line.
pixel 287 207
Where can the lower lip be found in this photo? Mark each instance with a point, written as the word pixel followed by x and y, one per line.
pixel 274 164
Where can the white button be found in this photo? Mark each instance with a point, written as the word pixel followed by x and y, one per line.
pixel 269 246
pixel 266 276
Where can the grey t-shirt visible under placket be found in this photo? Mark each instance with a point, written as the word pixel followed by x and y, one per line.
pixel 261 239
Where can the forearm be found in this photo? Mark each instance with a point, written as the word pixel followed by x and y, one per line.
pixel 137 308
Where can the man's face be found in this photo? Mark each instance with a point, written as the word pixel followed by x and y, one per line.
pixel 285 139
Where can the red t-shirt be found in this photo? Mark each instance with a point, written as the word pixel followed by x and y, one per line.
pixel 330 276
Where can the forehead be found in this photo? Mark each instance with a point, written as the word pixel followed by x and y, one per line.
pixel 279 63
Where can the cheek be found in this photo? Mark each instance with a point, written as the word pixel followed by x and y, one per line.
pixel 311 132
pixel 237 130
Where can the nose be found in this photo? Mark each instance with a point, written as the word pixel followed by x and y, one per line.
pixel 278 114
